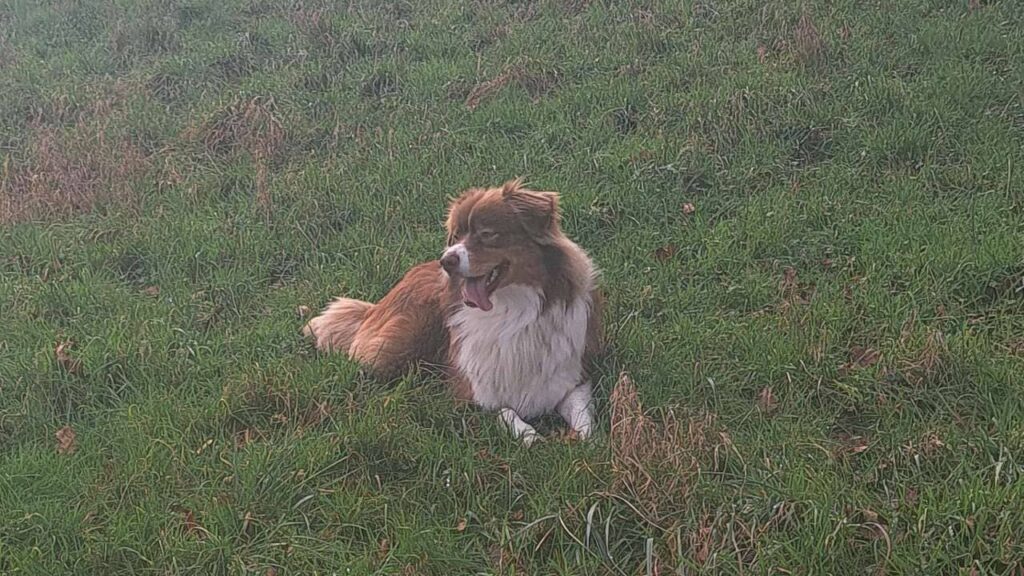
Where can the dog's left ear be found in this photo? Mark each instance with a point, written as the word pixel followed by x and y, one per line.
pixel 451 223
pixel 538 211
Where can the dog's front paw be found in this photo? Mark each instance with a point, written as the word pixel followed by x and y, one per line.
pixel 519 428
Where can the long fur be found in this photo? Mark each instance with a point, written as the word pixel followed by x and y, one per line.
pixel 336 327
pixel 511 311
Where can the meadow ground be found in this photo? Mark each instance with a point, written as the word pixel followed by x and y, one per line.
pixel 809 215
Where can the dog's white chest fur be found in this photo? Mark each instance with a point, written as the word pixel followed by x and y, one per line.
pixel 520 355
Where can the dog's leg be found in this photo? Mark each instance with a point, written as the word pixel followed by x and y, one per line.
pixel 520 429
pixel 578 411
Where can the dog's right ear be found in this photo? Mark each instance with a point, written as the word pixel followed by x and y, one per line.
pixel 537 211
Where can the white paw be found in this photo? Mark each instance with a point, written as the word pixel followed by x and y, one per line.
pixel 529 437
pixel 520 429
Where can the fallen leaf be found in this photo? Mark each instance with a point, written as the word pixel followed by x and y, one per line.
pixel 151 291
pixel 973 5
pixel 910 498
pixel 689 208
pixel 302 311
pixel 517 515
pixel 382 548
pixel 871 526
pixel 66 440
pixel 665 252
pixel 189 523
pixel 788 277
pixel 862 357
pixel 766 401
pixel 69 364
pixel 271 571
pixel 850 444
pixel 461 526
pixel 762 53
pixel 826 262
pixel 844 32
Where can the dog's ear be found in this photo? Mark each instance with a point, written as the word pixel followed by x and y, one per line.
pixel 537 211
pixel 458 208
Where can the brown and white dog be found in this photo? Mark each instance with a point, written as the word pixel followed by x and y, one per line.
pixel 511 311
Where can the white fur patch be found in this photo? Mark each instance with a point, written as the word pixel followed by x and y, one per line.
pixel 463 254
pixel 577 410
pixel 519 356
pixel 521 430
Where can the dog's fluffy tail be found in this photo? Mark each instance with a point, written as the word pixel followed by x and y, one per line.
pixel 335 328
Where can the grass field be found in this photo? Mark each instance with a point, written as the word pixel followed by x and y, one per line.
pixel 810 219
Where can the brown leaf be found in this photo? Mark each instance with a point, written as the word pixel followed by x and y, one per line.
pixel 569 436
pixel 382 548
pixel 69 364
pixel 272 571
pixel 151 290
pixel 665 252
pixel 302 311
pixel 845 32
pixel 910 498
pixel 973 5
pixel 461 526
pixel 872 526
pixel 1017 347
pixel 861 357
pixel 689 208
pixel 762 53
pixel 189 523
pixel 66 440
pixel 766 401
pixel 788 278
pixel 850 444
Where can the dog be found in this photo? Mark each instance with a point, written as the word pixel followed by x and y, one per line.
pixel 511 312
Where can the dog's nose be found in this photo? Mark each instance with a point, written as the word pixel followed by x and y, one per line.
pixel 450 262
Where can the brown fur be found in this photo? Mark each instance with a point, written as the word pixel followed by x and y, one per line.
pixel 507 226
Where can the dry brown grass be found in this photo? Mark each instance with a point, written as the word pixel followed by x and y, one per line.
pixel 252 127
pixel 655 460
pixel 67 171
pixel 489 88
pixel 809 47
pixel 535 80
pixel 924 362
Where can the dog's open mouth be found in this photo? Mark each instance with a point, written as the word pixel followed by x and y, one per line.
pixel 477 290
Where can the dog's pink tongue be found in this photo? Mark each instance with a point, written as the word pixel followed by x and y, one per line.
pixel 474 292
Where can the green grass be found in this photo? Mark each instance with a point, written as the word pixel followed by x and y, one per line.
pixel 179 176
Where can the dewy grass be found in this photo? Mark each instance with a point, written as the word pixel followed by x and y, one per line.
pixel 808 217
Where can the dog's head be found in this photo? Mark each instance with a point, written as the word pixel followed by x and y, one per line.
pixel 496 237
